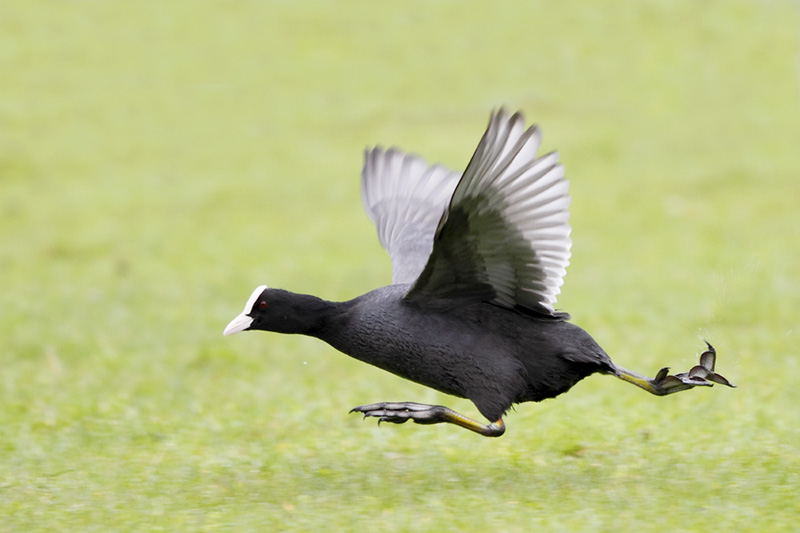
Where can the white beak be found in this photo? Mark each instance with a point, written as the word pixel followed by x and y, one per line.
pixel 243 321
pixel 240 323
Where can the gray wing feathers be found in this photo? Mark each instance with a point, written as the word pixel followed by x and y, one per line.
pixel 405 198
pixel 505 235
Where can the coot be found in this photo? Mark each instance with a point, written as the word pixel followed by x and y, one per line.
pixel 477 261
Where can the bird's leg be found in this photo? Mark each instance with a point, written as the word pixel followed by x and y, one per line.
pixel 401 412
pixel 700 375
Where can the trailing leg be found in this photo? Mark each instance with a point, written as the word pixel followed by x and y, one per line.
pixel 701 375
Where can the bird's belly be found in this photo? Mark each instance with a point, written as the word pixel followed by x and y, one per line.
pixel 455 360
pixel 420 363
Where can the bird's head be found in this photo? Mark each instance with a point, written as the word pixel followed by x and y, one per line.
pixel 280 311
pixel 253 311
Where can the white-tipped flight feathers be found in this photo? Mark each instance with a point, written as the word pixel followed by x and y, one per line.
pixel 499 233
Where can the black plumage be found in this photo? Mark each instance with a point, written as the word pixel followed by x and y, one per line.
pixel 478 260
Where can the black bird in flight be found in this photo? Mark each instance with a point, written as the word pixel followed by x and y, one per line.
pixel 478 259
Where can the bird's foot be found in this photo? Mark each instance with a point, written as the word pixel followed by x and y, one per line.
pixel 402 412
pixel 701 375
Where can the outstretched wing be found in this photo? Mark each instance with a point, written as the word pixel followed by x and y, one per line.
pixel 405 198
pixel 505 235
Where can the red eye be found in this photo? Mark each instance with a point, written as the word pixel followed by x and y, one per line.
pixel 262 305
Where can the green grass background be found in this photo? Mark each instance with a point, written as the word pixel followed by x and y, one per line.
pixel 158 160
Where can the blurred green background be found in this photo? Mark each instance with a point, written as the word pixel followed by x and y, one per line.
pixel 158 160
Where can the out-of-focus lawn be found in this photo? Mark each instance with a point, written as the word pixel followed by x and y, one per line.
pixel 158 160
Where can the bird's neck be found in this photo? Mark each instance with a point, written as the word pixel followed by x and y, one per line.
pixel 305 314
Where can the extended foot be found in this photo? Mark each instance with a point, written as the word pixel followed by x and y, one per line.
pixel 701 375
pixel 401 412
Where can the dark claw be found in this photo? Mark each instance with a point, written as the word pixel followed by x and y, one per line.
pixel 662 374
pixel 716 378
pixel 707 361
pixel 709 357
